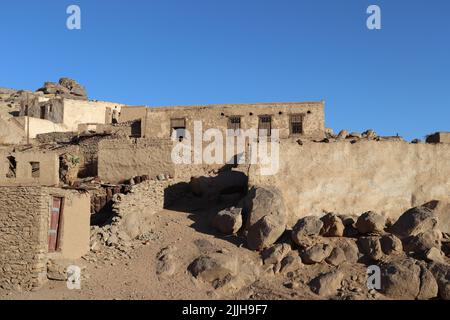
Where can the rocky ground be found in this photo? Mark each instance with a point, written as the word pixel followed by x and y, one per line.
pixel 210 249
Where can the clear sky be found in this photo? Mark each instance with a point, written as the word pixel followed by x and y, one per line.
pixel 172 52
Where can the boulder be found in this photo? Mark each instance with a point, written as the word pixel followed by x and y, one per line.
pixel 441 273
pixel 350 249
pixel 370 222
pixel 428 284
pixel 369 134
pixel 275 253
pixel 390 244
pixel 265 232
pixel 401 279
pixel 260 202
pixel 327 284
pixel 423 242
pixel 370 247
pixel 337 257
pixel 266 217
pixel 332 226
pixel 228 221
pixel 307 226
pixel 414 221
pixel 290 263
pixel 316 253
pixel 214 267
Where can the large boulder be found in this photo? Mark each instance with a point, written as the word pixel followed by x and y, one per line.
pixel 260 202
pixel 332 226
pixel 327 284
pixel 407 279
pixel 224 182
pixel 307 226
pixel 265 215
pixel 370 222
pixel 415 221
pixel 228 221
pixel 66 88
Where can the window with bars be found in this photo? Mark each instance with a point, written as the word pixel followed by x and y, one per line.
pixel 234 123
pixel 265 125
pixel 296 123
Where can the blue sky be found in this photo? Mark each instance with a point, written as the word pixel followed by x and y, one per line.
pixel 172 52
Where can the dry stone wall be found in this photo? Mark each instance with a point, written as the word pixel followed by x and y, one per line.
pixel 23 245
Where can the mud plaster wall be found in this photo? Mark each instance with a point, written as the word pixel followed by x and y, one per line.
pixel 128 113
pixel 11 131
pixel 75 223
pixel 121 159
pixel 388 177
pixel 23 241
pixel 158 124
pixel 48 163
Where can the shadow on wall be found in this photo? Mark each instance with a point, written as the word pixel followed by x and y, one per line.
pixel 204 196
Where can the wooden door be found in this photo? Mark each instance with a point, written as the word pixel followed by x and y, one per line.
pixel 55 216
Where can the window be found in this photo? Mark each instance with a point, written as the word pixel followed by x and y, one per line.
pixel 179 126
pixel 265 125
pixel 234 123
pixel 35 169
pixel 12 167
pixel 296 124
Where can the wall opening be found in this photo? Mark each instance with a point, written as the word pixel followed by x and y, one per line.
pixel 136 129
pixel 43 112
pixel 296 124
pixel 35 169
pixel 265 125
pixel 179 126
pixel 12 166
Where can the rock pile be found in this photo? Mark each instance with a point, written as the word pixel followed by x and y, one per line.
pixel 66 88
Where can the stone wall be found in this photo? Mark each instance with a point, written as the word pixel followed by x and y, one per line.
pixel 122 159
pixel 388 176
pixel 23 241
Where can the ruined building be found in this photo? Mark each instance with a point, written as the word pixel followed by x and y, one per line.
pixel 73 155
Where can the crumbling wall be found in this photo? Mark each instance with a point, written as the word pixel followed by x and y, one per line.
pixel 121 159
pixel 11 131
pixel 23 240
pixel 47 175
pixel 388 176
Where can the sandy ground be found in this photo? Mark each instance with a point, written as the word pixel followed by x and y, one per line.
pixel 136 278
